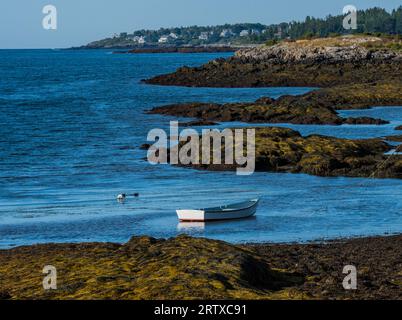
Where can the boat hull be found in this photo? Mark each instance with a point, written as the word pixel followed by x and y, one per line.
pixel 223 213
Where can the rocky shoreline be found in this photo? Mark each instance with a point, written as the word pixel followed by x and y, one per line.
pixel 198 268
pixel 307 63
pixel 354 73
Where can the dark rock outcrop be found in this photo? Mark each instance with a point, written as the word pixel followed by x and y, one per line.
pixel 364 120
pixel 286 111
pixel 316 107
pixel 198 123
pixel 397 138
pixel 145 146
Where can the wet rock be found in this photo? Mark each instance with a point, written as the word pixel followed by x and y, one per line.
pixel 198 123
pixel 145 146
pixel 265 100
pixel 397 138
pixel 315 107
pixel 398 128
pixel 365 120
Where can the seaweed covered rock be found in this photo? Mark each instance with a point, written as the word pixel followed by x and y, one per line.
pixel 358 95
pixel 289 111
pixel 285 150
pixel 196 268
pixel 143 268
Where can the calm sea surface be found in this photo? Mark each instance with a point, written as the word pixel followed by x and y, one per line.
pixel 71 123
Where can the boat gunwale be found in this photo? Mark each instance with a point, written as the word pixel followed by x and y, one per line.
pixel 221 210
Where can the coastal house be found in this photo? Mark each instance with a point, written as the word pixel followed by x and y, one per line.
pixel 244 33
pixel 139 39
pixel 167 38
pixel 255 32
pixel 163 39
pixel 204 36
pixel 226 33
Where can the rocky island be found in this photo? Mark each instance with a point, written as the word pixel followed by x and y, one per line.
pixel 286 150
pixel 320 62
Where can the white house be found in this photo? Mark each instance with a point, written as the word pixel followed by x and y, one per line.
pixel 226 33
pixel 173 35
pixel 204 36
pixel 244 33
pixel 255 32
pixel 140 40
pixel 163 39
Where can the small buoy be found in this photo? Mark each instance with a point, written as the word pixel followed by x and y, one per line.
pixel 121 197
pixel 136 194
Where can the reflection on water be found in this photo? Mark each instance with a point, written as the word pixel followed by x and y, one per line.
pixel 197 228
pixel 69 143
pixel 191 226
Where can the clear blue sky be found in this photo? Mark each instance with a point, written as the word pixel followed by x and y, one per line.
pixel 82 21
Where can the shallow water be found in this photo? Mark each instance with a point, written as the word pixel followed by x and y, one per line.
pixel 70 126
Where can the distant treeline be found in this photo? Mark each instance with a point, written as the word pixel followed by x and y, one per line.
pixel 374 20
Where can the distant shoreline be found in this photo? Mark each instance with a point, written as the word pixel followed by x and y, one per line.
pixel 180 49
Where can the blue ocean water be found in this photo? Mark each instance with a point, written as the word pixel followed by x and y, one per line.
pixel 71 123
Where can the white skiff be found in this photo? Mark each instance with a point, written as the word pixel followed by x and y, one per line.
pixel 232 211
